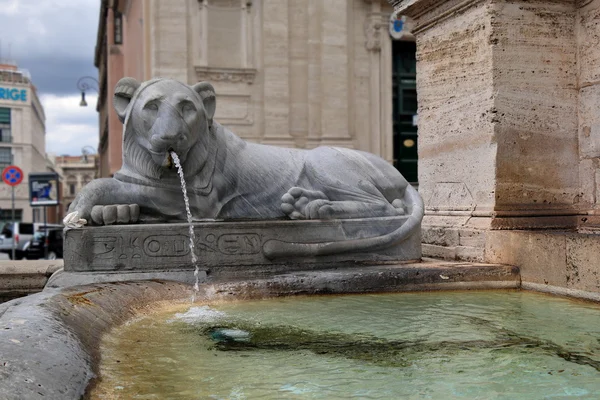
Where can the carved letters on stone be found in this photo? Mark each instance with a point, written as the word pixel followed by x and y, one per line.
pixel 173 245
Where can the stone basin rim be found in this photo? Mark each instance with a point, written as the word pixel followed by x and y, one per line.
pixel 50 341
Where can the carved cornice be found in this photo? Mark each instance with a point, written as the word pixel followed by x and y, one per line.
pixel 234 75
pixel 427 13
pixel 373 25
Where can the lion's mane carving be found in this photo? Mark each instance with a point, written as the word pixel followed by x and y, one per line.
pixel 229 178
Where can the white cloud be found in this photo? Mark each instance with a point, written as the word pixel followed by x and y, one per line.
pixel 55 40
pixel 70 127
pixel 58 27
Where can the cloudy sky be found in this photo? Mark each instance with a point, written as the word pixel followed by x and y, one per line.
pixel 55 40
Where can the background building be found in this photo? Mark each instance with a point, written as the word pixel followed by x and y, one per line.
pixel 298 73
pixel 22 141
pixel 77 171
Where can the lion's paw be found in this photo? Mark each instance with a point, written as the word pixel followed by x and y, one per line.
pixel 299 203
pixel 115 214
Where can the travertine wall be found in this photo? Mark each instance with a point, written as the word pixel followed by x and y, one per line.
pixel 509 135
pixel 588 68
pixel 498 144
pixel 457 140
pixel 535 84
pixel 457 149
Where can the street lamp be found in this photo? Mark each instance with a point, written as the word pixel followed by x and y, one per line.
pixel 85 151
pixel 86 83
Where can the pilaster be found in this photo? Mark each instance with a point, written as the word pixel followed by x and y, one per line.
pixel 498 119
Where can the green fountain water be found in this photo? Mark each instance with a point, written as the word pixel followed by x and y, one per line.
pixel 453 345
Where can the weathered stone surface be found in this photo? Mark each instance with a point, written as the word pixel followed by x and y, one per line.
pixel 508 108
pixel 62 279
pixel 20 278
pixel 49 342
pixel 582 272
pixel 550 260
pixel 231 248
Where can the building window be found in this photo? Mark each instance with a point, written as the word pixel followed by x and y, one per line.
pixel 5 157
pixel 6 215
pixel 5 131
pixel 223 34
pixel 71 187
pixel 36 215
pixel 118 25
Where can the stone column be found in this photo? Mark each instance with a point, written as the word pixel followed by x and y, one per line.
pixel 379 45
pixel 498 146
pixel 276 69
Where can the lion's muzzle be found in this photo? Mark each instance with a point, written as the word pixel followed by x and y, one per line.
pixel 163 158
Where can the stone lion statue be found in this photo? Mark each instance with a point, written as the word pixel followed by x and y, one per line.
pixel 227 177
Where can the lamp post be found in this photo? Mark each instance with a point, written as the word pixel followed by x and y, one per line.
pixel 86 83
pixel 85 150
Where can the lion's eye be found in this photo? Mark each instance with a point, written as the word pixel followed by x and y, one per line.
pixel 151 107
pixel 188 107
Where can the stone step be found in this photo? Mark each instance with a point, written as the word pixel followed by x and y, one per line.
pixel 431 274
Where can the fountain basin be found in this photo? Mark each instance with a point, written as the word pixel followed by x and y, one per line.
pixel 49 341
pixel 438 345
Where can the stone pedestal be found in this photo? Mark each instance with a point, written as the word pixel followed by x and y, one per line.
pixel 237 249
pixel 498 109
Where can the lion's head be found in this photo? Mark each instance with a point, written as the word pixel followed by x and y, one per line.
pixel 164 115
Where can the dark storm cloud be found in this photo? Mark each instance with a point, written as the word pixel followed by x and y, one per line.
pixel 54 40
pixel 58 75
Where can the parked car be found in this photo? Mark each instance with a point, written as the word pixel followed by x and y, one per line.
pixel 21 233
pixel 54 241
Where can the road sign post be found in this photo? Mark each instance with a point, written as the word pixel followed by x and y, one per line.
pixel 12 175
pixel 43 192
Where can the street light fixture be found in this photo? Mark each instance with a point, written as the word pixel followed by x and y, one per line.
pixel 86 83
pixel 85 151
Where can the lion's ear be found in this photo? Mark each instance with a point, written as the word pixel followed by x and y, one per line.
pixel 207 94
pixel 124 91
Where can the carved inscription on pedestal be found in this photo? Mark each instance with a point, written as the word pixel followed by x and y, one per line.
pixel 145 245
pixel 166 245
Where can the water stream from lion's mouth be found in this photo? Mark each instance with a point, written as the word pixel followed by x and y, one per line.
pixel 189 219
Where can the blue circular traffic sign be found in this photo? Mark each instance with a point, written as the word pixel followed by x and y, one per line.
pixel 12 175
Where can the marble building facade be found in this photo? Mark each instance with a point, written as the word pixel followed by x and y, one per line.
pixel 298 73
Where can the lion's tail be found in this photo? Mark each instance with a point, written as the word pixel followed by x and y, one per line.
pixel 276 249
